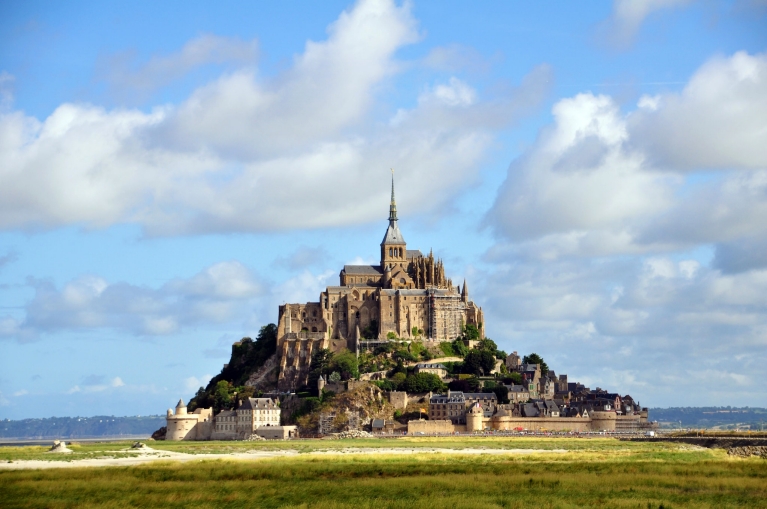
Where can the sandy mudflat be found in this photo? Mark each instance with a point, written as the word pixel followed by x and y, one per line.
pixel 156 455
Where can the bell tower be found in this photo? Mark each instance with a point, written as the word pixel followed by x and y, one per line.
pixel 393 246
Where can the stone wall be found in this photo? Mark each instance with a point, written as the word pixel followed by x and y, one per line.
pixel 539 423
pixel 398 399
pixel 432 427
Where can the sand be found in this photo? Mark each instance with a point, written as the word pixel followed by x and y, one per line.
pixel 148 455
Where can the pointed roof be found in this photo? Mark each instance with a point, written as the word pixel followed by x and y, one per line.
pixel 180 403
pixel 393 235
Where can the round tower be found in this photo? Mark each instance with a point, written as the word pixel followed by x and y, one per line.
pixel 181 425
pixel 603 420
pixel 474 418
pixel 320 384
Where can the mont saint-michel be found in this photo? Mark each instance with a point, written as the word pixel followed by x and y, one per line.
pixel 394 348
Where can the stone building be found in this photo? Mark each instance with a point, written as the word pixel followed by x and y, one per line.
pixel 429 367
pixel 253 416
pixel 182 425
pixel 407 291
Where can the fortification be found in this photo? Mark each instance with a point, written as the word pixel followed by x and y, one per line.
pixel 406 292
pixel 182 425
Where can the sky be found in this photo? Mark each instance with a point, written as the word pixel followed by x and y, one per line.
pixel 171 172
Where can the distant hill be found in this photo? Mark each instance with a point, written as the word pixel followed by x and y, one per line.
pixel 80 427
pixel 711 417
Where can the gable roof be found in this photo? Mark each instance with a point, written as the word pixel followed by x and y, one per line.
pixel 257 404
pixel 366 270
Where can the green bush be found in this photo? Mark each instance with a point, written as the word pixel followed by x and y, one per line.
pixel 423 382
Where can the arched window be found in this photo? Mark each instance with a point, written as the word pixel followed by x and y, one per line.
pixel 391 253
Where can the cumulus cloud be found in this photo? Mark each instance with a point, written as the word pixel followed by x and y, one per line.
pixel 634 325
pixel 248 152
pixel 718 121
pixel 595 182
pixel 603 231
pixel 628 15
pixel 215 295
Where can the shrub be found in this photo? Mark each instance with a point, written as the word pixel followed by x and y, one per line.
pixel 447 348
pixel 423 382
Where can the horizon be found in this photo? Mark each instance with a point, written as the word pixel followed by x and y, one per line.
pixel 170 174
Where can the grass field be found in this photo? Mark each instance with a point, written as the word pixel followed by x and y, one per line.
pixel 592 473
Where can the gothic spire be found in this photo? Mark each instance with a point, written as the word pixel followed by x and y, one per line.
pixel 393 204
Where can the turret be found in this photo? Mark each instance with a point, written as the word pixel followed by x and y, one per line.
pixel 320 384
pixel 464 292
pixel 474 418
pixel 181 408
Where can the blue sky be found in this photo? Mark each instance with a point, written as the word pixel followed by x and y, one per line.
pixel 170 173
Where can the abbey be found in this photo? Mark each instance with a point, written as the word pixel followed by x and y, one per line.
pixel 407 294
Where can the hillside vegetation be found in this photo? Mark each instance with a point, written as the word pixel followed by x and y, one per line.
pixel 247 357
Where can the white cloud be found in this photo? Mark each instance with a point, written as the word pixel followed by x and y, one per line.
pixel 22 392
pixel 117 382
pixel 453 93
pixel 247 152
pixel 603 226
pixel 718 121
pixel 3 400
pixel 215 295
pixel 597 182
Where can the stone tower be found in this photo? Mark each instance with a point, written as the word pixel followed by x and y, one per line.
pixel 474 418
pixel 393 246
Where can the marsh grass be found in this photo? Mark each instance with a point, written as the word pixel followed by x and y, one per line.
pixel 593 473
pixel 383 481
pixel 121 449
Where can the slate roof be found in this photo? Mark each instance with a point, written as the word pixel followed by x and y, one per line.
pixel 377 423
pixel 366 270
pixel 393 235
pixel 529 410
pixel 257 404
pixel 422 365
pixel 413 253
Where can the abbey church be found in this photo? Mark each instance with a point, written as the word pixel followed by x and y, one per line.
pixel 407 294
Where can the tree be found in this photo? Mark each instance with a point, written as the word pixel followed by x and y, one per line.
pixel 423 382
pixel 470 332
pixel 513 378
pixel 221 396
pixel 335 377
pixel 459 349
pixel 474 384
pixel 345 363
pixel 478 362
pixel 487 344
pixel 534 358
pixel 320 365
pixel 459 385
pixel 501 392
pixel 390 335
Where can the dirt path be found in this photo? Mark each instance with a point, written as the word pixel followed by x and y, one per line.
pixel 156 455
